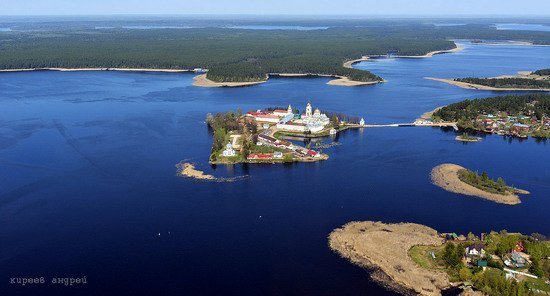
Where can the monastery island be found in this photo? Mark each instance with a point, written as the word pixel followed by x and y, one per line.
pixel 262 135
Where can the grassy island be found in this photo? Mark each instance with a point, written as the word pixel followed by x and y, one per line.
pixel 519 116
pixel 485 183
pixel 415 259
pixel 457 179
pixel 465 137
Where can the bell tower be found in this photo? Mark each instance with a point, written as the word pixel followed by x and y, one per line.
pixel 308 110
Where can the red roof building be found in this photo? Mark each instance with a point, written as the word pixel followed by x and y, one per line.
pixel 253 156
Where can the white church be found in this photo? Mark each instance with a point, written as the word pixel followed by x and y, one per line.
pixel 310 121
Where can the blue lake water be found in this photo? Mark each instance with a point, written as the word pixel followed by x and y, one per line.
pixel 523 27
pixel 88 179
pixel 5 30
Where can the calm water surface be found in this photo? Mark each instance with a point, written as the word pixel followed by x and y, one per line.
pixel 88 179
pixel 523 27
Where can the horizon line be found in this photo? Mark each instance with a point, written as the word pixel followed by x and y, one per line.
pixel 287 15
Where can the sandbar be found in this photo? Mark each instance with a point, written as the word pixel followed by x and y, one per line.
pixel 428 115
pixel 446 177
pixel 432 53
pixel 188 170
pixel 384 248
pixel 483 87
pixel 202 81
pixel 344 81
pixel 349 64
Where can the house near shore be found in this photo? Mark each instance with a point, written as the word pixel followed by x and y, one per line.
pixel 518 127
pixel 259 156
pixel 516 260
pixel 475 250
pixel 229 151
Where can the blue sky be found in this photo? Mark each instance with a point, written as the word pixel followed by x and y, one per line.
pixel 296 7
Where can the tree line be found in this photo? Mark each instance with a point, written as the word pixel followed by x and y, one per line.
pixel 542 72
pixel 507 82
pixel 536 104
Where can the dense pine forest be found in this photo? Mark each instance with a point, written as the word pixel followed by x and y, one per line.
pixel 507 82
pixel 531 104
pixel 234 54
pixel 542 72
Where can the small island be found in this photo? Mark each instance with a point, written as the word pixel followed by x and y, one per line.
pixel 262 136
pixel 189 170
pixel 517 116
pixel 525 81
pixel 465 137
pixel 416 259
pixel 457 179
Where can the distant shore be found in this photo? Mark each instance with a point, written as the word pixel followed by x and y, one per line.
pixel 202 81
pixel 482 87
pixel 446 177
pixel 384 248
pixel 349 64
pixel 344 81
pixel 432 53
pixel 98 69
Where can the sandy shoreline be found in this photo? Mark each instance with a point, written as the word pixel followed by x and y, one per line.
pixel 344 81
pixel 428 115
pixel 385 247
pixel 482 87
pixel 432 53
pixel 349 64
pixel 188 170
pixel 98 69
pixel 446 177
pixel 202 81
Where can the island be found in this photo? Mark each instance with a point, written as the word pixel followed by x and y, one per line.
pixel 416 259
pixel 524 81
pixel 457 179
pixel 189 170
pixel 262 136
pixel 465 137
pixel 517 116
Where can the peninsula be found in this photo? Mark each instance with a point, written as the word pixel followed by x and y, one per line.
pixel 518 116
pixel 457 179
pixel 416 259
pixel 524 81
pixel 259 136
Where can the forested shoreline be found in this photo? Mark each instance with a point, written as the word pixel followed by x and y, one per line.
pixel 512 82
pixel 237 55
pixel 542 72
pixel 537 105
